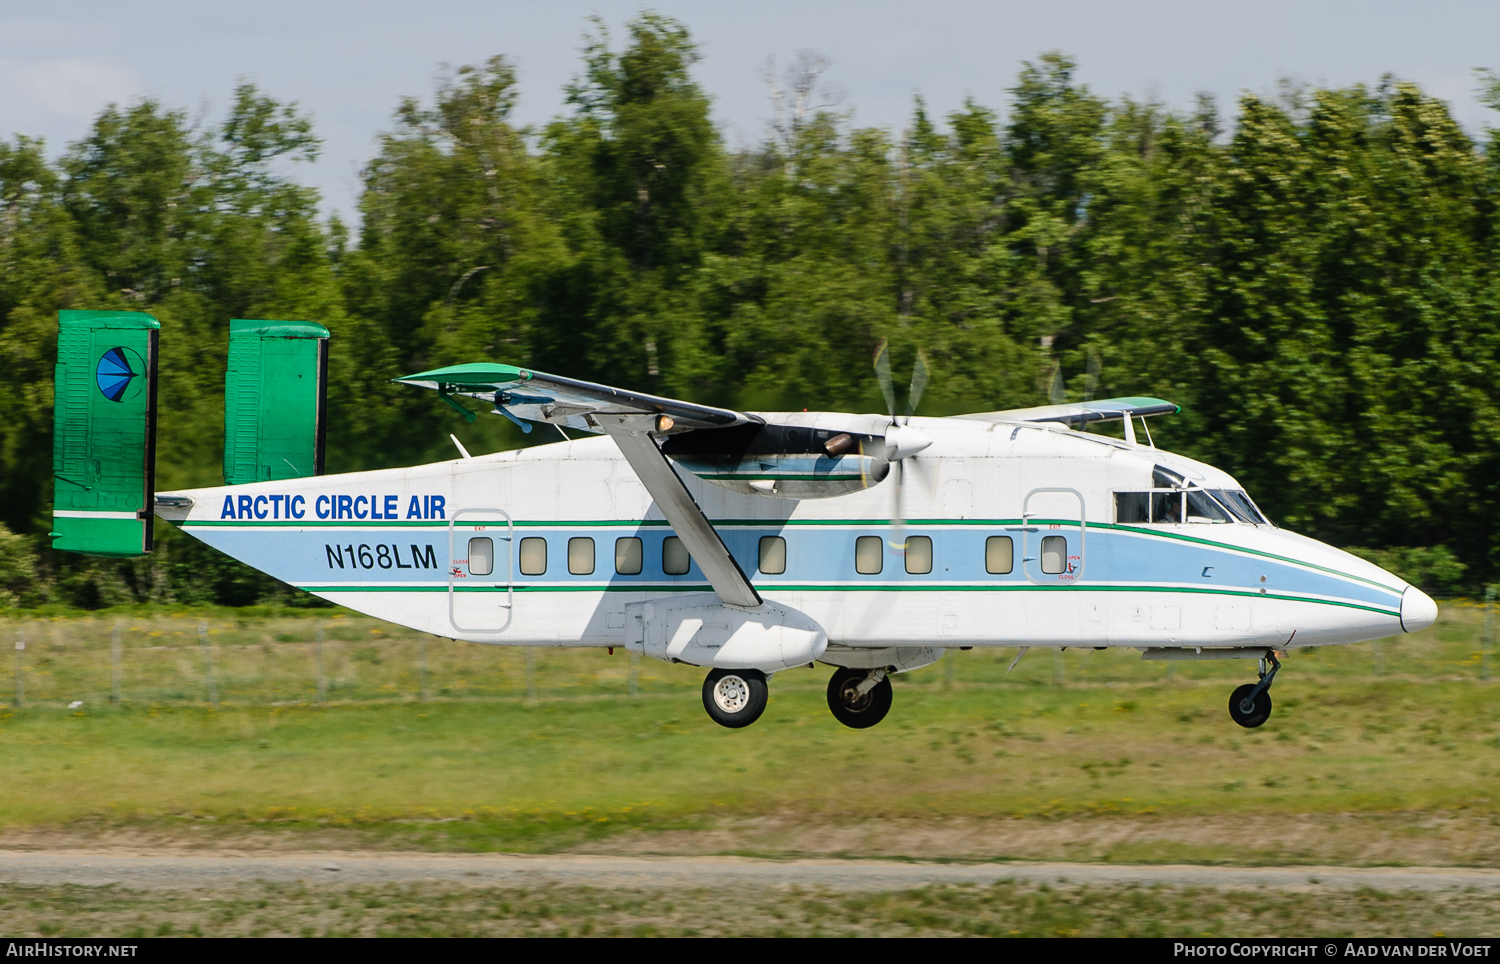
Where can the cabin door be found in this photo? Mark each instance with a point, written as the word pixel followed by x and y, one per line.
pixel 481 570
pixel 1052 555
pixel 1053 532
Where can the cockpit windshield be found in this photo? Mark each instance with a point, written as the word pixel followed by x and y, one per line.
pixel 1238 502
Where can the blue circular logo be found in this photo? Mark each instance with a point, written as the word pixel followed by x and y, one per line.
pixel 116 371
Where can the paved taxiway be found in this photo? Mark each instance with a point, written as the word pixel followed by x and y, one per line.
pixel 176 869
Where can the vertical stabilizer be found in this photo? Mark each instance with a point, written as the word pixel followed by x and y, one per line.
pixel 275 396
pixel 104 432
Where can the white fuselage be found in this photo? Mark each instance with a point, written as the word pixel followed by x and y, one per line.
pixel 395 544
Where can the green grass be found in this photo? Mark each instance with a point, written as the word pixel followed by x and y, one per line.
pixel 547 750
pixel 1001 910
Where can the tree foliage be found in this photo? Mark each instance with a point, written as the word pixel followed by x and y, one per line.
pixel 1313 280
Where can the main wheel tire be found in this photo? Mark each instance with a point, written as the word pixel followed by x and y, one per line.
pixel 853 710
pixel 1247 713
pixel 735 697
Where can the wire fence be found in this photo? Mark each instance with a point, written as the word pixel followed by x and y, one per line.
pixel 185 658
pixel 216 662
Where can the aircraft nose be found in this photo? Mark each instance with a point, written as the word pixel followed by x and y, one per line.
pixel 1418 611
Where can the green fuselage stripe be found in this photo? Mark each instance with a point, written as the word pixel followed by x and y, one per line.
pixel 778 587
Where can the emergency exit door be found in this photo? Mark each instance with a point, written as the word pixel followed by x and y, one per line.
pixel 1053 536
pixel 481 570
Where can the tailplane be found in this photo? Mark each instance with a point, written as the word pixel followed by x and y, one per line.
pixel 104 420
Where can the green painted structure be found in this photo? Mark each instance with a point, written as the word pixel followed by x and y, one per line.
pixel 104 432
pixel 275 400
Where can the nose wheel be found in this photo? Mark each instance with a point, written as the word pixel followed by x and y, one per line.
pixel 859 698
pixel 1250 705
pixel 735 697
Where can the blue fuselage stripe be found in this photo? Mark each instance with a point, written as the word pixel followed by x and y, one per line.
pixel 345 557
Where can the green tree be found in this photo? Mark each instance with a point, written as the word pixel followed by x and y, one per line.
pixel 639 188
pixel 455 254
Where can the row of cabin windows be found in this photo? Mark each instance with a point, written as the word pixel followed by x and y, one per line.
pixel 869 555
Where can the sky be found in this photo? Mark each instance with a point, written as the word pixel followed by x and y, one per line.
pixel 349 63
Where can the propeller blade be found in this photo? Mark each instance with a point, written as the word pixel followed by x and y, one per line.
pixel 1091 380
pixel 883 375
pixel 898 524
pixel 919 376
pixel 1055 389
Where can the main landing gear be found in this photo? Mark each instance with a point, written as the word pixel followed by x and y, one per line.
pixel 735 697
pixel 1250 705
pixel 859 698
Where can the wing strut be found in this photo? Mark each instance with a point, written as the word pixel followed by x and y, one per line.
pixel 632 433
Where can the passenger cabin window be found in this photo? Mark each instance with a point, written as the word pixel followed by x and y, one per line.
pixel 999 555
pixel 481 556
pixel 533 556
pixel 581 556
pixel 772 555
pixel 628 556
pixel 868 555
pixel 675 560
pixel 1054 554
pixel 918 555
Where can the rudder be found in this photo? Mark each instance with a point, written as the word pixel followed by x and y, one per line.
pixel 275 399
pixel 104 432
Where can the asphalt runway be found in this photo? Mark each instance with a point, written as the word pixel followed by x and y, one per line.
pixel 185 870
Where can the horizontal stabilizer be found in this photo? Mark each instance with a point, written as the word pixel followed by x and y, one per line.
pixel 275 399
pixel 104 432
pixel 520 393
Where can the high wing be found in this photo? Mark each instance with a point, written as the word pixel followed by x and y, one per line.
pixel 635 421
pixel 1082 413
pixel 519 393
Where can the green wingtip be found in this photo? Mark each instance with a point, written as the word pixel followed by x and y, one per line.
pixel 474 373
pixel 1137 401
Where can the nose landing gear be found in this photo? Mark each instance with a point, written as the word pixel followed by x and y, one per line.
pixel 859 698
pixel 1250 705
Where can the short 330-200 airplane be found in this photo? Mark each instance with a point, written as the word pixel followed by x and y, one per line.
pixel 743 542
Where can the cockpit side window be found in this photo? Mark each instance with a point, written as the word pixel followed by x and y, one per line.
pixel 1166 506
pixel 1132 507
pixel 1169 506
pixel 1201 507
pixel 1157 505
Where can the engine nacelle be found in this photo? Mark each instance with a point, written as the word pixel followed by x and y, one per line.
pixel 700 630
pixel 785 461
